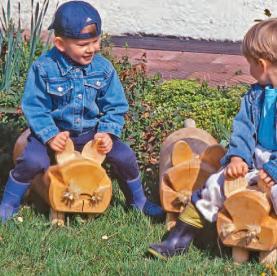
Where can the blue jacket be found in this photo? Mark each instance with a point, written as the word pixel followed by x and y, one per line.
pixel 245 131
pixel 59 96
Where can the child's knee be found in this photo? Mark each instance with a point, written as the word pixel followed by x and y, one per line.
pixel 126 158
pixel 27 168
pixel 126 164
pixel 37 163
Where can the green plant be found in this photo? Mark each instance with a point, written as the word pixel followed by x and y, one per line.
pixel 37 17
pixel 16 52
pixel 156 110
pixel 11 49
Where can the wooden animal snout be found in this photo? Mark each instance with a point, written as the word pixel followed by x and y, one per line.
pixel 188 173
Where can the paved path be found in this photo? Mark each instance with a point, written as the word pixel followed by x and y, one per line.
pixel 216 69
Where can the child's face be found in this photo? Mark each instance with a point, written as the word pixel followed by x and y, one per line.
pixel 81 51
pixel 259 69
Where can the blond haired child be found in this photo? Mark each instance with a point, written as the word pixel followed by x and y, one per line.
pixel 252 150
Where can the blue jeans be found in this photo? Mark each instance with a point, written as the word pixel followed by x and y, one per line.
pixel 36 157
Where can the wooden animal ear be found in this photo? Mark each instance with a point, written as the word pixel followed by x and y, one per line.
pixel 181 152
pixel 233 186
pixel 212 155
pixel 68 153
pixel 90 152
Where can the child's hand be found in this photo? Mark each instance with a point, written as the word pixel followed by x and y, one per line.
pixel 236 168
pixel 105 142
pixel 266 178
pixel 58 142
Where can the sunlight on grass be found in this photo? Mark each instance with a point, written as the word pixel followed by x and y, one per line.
pixel 34 247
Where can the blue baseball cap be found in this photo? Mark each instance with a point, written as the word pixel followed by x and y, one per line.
pixel 71 18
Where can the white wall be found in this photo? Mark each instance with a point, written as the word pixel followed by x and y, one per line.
pixel 200 19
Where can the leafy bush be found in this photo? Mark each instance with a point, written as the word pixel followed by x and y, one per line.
pixel 156 110
pixel 178 99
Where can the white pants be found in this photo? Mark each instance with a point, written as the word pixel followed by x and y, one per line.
pixel 212 195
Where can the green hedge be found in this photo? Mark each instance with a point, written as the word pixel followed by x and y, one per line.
pixel 160 109
pixel 208 106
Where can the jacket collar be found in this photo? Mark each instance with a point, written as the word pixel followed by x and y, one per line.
pixel 256 91
pixel 66 64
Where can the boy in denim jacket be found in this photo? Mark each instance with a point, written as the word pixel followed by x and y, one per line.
pixel 252 150
pixel 73 91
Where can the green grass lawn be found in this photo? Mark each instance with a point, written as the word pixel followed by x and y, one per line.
pixel 33 247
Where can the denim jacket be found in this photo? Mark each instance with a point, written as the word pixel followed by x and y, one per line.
pixel 244 136
pixel 59 96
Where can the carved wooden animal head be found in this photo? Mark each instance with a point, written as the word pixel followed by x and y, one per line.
pixel 78 183
pixel 190 166
pixel 247 221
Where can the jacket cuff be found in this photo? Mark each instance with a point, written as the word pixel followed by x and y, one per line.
pixel 227 158
pixel 47 133
pixel 111 128
pixel 271 169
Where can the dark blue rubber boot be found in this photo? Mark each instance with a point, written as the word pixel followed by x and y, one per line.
pixel 138 200
pixel 13 194
pixel 177 242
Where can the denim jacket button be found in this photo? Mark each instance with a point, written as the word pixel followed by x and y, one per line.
pixel 60 89
pixel 98 83
pixel 80 96
pixel 78 120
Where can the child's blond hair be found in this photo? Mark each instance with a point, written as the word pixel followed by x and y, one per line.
pixel 261 41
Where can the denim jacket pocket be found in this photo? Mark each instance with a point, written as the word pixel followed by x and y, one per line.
pixel 93 87
pixel 60 91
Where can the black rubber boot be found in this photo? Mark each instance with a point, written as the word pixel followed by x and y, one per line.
pixel 177 242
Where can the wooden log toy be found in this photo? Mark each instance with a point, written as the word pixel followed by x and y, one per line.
pixel 247 222
pixel 76 184
pixel 187 158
